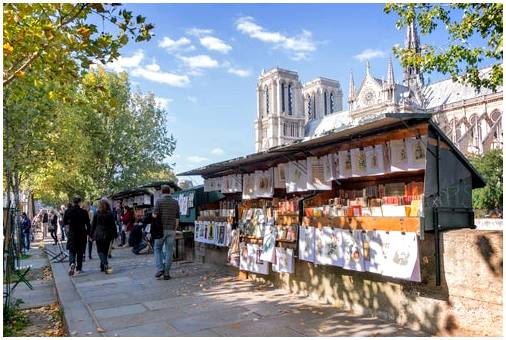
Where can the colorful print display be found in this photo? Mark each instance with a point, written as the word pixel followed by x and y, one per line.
pixel 316 174
pixel 269 243
pixel 284 261
pixel 217 233
pixel 307 244
pixel 391 253
pixel 250 259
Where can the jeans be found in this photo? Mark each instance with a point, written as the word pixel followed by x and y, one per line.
pixel 102 250
pixel 53 235
pixel 143 244
pixel 90 247
pixel 76 256
pixel 166 243
pixel 62 228
pixel 26 240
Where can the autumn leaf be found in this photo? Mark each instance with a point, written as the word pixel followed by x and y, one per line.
pixel 8 49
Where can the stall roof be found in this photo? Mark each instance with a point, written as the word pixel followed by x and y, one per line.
pixel 130 193
pixel 158 184
pixel 373 125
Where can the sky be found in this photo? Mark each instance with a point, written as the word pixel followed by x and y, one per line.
pixel 204 61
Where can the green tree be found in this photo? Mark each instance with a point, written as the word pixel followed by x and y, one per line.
pixel 490 166
pixel 60 39
pixel 464 22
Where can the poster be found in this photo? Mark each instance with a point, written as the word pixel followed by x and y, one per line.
pixel 211 232
pixel 234 257
pixel 374 160
pixel 402 258
pixel 269 243
pixel 353 251
pixel 280 176
pixel 244 257
pixel 263 186
pixel 248 186
pixel 398 155
pixel 331 167
pixel 228 234
pixel 358 162
pixel 221 234
pixel 416 148
pixel 284 261
pixel 297 176
pixel 315 170
pixel 329 246
pixel 196 231
pixel 255 262
pixel 344 164
pixel 374 242
pixel 307 243
pixel 203 231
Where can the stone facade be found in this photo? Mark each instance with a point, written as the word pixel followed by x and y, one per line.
pixel 288 111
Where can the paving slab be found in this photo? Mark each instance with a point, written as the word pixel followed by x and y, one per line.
pixel 159 328
pixel 119 311
pixel 211 320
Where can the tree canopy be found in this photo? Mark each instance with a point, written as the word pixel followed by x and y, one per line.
pixel 490 166
pixel 460 58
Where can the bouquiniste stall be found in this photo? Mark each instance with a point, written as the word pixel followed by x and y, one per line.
pixel 361 198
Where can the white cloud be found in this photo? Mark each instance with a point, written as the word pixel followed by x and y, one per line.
pixel 370 54
pixel 199 31
pixel 192 99
pixel 153 67
pixel 199 61
pixel 181 44
pixel 215 44
pixel 163 102
pixel 239 72
pixel 123 63
pixel 170 79
pixel 196 159
pixel 299 46
pixel 217 151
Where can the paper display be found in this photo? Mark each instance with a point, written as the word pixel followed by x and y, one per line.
pixel 248 186
pixel 402 259
pixel 297 176
pixel 345 164
pixel 269 243
pixel 307 244
pixel 328 246
pixel 263 186
pixel 280 173
pixel 398 155
pixel 330 167
pixel 374 160
pixel 315 170
pixel 353 252
pixel 284 261
pixel 358 163
pixel 374 253
pixel 416 149
pixel 221 235
pixel 256 264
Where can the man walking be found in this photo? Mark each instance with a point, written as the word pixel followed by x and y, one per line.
pixel 166 215
pixel 78 222
pixel 26 227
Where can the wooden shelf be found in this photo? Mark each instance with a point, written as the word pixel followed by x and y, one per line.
pixel 215 218
pixel 408 224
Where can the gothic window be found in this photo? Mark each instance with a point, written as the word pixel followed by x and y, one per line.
pixel 325 102
pixel 309 111
pixel 291 130
pixel 282 97
pixel 290 99
pixel 284 129
pixel 332 103
pixel 314 106
pixel 267 99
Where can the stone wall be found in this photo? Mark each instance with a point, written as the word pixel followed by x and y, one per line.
pixel 468 302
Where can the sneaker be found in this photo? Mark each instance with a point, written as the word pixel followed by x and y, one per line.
pixel 72 269
pixel 159 274
pixel 108 270
pixel 167 277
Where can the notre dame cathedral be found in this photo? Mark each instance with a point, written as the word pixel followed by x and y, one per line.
pixel 288 111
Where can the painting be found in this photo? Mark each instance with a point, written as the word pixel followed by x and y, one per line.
pixel 248 186
pixel 280 176
pixel 374 160
pixel 398 155
pixel 196 231
pixel 264 186
pixel 221 234
pixel 416 148
pixel 297 176
pixel 255 262
pixel 402 257
pixel 358 162
pixel 244 262
pixel 353 251
pixel 284 261
pixel 374 244
pixel 211 232
pixel 329 246
pixel 269 243
pixel 307 243
pixel 315 169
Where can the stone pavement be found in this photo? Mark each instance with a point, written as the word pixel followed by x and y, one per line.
pixel 43 292
pixel 200 300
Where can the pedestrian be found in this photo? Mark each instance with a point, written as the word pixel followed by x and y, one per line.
pixel 77 221
pixel 103 231
pixel 53 226
pixel 87 207
pixel 26 227
pixel 60 222
pixel 45 220
pixel 166 215
pixel 127 220
pixel 136 240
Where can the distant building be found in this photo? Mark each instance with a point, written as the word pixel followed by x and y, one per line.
pixel 288 111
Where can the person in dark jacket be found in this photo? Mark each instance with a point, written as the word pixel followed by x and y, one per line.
pixel 53 226
pixel 45 220
pixel 103 231
pixel 78 223
pixel 26 228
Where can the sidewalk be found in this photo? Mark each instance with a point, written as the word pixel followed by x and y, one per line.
pixel 200 300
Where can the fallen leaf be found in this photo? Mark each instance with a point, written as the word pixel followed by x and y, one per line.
pixel 100 330
pixel 235 325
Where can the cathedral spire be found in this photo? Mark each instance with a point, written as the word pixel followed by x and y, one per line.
pixel 368 68
pixel 351 92
pixel 413 77
pixel 390 72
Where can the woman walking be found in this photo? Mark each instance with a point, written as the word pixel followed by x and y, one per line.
pixel 53 225
pixel 103 231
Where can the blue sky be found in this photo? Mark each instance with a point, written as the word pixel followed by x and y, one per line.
pixel 204 61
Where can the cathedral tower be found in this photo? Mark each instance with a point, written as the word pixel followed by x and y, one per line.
pixel 413 77
pixel 280 116
pixel 322 97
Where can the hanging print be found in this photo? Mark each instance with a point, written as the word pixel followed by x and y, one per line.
pixel 297 176
pixel 416 148
pixel 248 186
pixel 358 162
pixel 398 155
pixel 269 243
pixel 307 244
pixel 316 181
pixel 264 183
pixel 329 246
pixel 374 160
pixel 284 261
pixel 374 242
pixel 402 258
pixel 280 176
pixel 234 253
pixel 344 164
pixel 245 258
pixel 353 252
pixel 256 264
pixel 221 234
